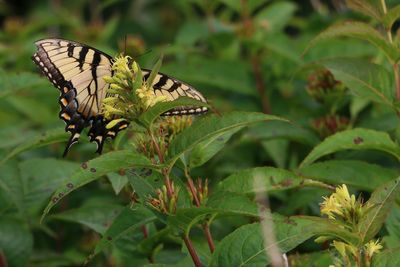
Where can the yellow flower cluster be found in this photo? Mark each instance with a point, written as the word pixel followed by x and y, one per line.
pixel 128 94
pixel 148 98
pixel 347 210
pixel 341 205
pixel 372 247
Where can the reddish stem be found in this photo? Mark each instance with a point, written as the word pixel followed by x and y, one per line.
pixel 193 191
pixel 210 240
pixel 3 262
pixel 260 84
pixel 168 184
pixel 206 227
pixel 192 251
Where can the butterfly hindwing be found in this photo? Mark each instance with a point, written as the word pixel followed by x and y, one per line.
pixel 77 70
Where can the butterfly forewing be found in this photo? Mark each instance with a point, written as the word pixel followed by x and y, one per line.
pixel 77 70
pixel 173 89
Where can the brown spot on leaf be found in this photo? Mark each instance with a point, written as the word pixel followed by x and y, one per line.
pixel 109 238
pixel 70 185
pixel 286 182
pixel 60 195
pixel 358 140
pixel 122 172
pixel 84 165
pixel 54 199
pixel 92 169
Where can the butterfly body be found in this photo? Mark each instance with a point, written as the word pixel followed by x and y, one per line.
pixel 77 71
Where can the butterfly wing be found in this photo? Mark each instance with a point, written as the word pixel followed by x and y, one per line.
pixel 77 70
pixel 173 89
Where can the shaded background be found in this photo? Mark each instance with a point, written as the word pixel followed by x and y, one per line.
pixel 242 55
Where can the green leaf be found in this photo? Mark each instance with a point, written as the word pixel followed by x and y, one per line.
pixel 145 181
pixel 210 126
pixel 277 150
pixel 25 105
pixel 358 139
pixel 205 150
pixel 221 204
pixel 118 181
pixel 245 246
pixel 11 82
pixel 96 168
pixel 387 258
pixel 364 79
pixel 358 30
pixel 380 203
pixel 97 216
pixel 126 222
pixel 282 130
pixel 148 117
pixel 362 175
pixel 391 16
pixel 232 203
pixel 154 72
pixel 46 138
pixel 315 259
pixel 274 179
pixel 16 242
pixel 392 224
pixel 276 15
pixel 371 8
pixel 40 177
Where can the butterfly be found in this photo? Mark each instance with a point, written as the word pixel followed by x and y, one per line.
pixel 77 71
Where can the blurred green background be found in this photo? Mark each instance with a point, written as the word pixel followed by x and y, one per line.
pixel 241 54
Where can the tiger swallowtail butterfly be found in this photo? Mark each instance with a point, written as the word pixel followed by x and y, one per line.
pixel 77 71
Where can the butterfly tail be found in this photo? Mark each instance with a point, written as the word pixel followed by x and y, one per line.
pixel 72 140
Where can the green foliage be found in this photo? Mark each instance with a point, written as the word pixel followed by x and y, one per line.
pixel 303 100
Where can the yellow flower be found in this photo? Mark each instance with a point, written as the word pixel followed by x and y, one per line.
pixel 342 193
pixel 148 97
pixel 330 206
pixel 372 247
pixel 121 64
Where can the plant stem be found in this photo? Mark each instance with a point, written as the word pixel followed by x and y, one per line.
pixel 3 262
pixel 145 236
pixel 314 183
pixel 156 146
pixel 192 251
pixel 193 191
pixel 208 235
pixel 255 62
pixel 206 227
pixel 161 159
pixel 260 84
